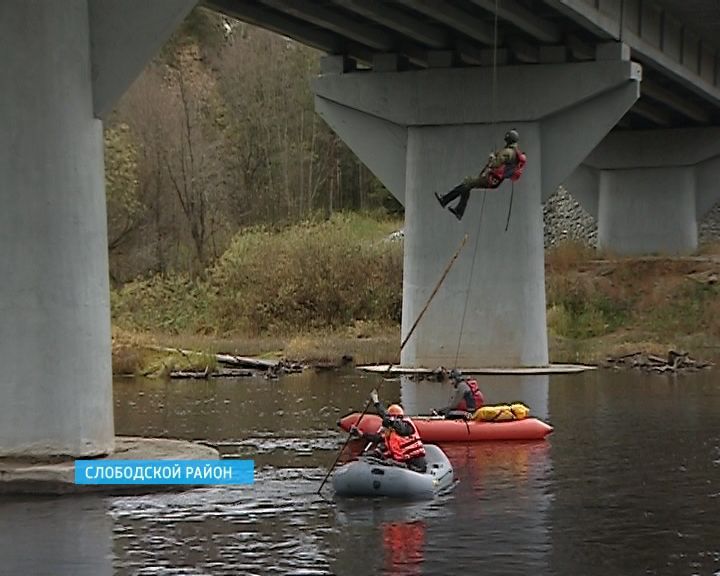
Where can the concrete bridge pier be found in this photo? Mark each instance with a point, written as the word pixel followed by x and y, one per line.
pixel 648 189
pixel 66 64
pixel 423 131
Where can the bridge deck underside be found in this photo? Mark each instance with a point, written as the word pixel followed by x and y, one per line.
pixel 675 40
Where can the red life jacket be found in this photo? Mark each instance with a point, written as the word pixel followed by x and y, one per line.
pixel 404 448
pixel 477 395
pixel 512 170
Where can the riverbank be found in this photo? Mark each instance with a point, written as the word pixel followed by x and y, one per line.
pixel 140 354
pixel 329 292
pixel 321 351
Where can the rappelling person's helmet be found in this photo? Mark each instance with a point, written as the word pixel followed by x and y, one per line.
pixel 455 374
pixel 512 137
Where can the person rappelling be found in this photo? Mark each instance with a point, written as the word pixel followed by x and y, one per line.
pixel 504 164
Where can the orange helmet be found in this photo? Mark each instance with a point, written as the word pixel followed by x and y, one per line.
pixel 395 410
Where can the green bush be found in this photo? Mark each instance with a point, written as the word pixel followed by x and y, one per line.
pixel 580 310
pixel 316 275
pixel 171 304
pixel 324 275
pixel 691 307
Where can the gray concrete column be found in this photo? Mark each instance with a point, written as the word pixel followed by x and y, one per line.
pixel 55 381
pixel 54 295
pixel 647 211
pixel 651 188
pixel 492 312
pixel 422 132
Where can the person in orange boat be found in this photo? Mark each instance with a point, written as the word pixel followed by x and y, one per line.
pixel 398 438
pixel 466 399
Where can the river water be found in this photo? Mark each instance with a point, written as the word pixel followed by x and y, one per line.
pixel 629 483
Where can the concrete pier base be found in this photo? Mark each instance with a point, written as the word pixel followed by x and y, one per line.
pixel 423 132
pixel 23 476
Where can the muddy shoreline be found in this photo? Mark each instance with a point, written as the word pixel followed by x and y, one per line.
pixel 214 359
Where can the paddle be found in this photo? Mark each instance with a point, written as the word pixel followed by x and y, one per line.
pixel 402 345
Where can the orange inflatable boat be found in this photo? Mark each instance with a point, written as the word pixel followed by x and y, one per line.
pixel 437 429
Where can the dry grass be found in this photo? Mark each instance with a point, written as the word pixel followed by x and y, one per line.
pixel 306 306
pixel 130 351
pixel 330 348
pixel 145 354
pixel 567 255
pixel 611 306
pixel 709 249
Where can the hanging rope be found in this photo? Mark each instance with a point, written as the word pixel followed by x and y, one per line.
pixel 493 118
pixel 493 136
pixel 512 193
pixel 472 269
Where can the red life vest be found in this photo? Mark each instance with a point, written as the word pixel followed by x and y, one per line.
pixel 404 448
pixel 477 395
pixel 512 170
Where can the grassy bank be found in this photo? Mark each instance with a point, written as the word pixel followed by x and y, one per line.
pixel 600 306
pixel 315 291
pixel 318 291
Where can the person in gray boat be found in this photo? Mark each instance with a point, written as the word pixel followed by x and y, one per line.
pixel 398 439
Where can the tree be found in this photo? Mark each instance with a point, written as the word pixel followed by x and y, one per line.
pixel 125 208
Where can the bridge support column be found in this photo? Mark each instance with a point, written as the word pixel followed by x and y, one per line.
pixel 652 188
pixel 55 381
pixel 422 132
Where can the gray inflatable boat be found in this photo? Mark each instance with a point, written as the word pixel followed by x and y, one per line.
pixel 369 476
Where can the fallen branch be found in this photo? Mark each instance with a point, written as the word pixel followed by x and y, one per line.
pixel 676 361
pixel 281 366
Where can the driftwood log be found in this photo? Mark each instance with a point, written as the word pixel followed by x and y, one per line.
pixel 675 362
pixel 206 374
pixel 240 366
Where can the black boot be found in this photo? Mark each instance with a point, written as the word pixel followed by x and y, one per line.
pixel 445 199
pixel 458 211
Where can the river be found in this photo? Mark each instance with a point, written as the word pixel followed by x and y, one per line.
pixel 628 483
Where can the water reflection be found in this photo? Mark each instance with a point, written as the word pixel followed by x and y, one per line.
pixel 392 535
pixel 280 526
pixel 55 536
pixel 403 545
pixel 636 474
pixel 629 483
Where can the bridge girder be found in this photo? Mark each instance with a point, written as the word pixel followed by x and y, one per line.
pixel 685 64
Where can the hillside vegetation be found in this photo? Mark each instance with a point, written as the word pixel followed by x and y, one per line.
pixel 605 305
pixel 318 290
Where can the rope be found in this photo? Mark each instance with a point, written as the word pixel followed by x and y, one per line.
pixel 512 193
pixel 472 269
pixel 493 135
pixel 402 345
pixel 493 122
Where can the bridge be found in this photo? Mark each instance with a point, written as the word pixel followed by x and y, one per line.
pixel 618 99
pixel 676 41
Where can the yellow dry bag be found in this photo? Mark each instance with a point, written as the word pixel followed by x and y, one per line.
pixel 502 412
